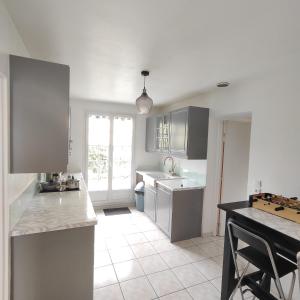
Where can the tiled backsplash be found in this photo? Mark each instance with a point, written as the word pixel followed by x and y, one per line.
pixel 193 169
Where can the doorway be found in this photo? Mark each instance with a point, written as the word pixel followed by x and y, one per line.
pixel 234 163
pixel 109 156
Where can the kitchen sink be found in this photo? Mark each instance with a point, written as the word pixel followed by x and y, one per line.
pixel 151 177
pixel 161 175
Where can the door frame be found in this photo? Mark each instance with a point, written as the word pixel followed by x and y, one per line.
pixel 4 206
pixel 109 197
pixel 221 133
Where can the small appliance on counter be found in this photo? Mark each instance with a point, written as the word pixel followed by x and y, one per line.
pixel 56 183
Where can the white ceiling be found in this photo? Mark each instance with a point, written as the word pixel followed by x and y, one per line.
pixel 188 45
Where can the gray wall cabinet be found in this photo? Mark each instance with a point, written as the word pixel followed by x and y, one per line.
pixel 163 133
pixel 39 115
pixel 179 213
pixel 179 130
pixel 182 133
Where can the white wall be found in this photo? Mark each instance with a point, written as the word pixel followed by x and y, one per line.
pixel 13 185
pixel 273 99
pixel 79 110
pixel 11 43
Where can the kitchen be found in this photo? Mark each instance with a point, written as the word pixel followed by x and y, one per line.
pixel 72 128
pixel 62 209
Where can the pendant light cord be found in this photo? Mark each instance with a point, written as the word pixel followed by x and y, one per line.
pixel 144 80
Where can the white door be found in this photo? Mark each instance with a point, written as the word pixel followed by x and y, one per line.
pixel 109 157
pixel 235 164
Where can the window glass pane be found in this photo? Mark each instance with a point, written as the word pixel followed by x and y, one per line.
pixel 98 152
pixel 122 153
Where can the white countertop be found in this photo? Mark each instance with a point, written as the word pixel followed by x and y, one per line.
pixel 282 225
pixel 57 211
pixel 179 184
pixel 144 172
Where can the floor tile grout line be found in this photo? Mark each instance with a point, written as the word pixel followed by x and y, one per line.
pixel 168 267
pixel 117 277
pixel 151 286
pixel 184 289
pixel 146 276
pixel 191 285
pixel 159 253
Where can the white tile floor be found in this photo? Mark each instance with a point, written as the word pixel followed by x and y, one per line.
pixel 134 260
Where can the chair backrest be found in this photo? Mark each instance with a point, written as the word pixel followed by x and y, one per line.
pixel 251 237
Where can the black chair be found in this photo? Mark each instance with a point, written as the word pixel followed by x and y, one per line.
pixel 261 253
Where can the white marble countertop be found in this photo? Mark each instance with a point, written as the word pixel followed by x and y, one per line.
pixel 179 184
pixel 57 211
pixel 282 225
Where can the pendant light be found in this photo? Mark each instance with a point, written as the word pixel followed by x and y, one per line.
pixel 144 103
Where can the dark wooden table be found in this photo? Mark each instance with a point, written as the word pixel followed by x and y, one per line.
pixel 287 245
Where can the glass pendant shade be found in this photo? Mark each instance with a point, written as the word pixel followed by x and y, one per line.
pixel 144 103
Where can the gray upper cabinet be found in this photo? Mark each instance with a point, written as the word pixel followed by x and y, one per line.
pixel 182 133
pixel 163 132
pixel 39 115
pixel 178 139
pixel 189 132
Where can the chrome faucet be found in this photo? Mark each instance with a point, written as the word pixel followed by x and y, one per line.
pixel 172 170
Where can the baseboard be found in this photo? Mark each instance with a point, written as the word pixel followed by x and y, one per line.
pixel 101 204
pixel 207 234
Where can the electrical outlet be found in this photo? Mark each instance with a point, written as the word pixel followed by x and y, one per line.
pixel 258 186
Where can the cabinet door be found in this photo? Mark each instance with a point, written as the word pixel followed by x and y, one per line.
pixel 163 132
pixel 39 116
pixel 163 210
pixel 159 134
pixel 178 139
pixel 151 134
pixel 149 203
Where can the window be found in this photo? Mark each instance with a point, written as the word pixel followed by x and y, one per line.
pixel 109 153
pixel 98 152
pixel 122 153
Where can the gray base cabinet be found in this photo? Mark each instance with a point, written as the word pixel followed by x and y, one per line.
pixel 186 220
pixel 179 213
pixel 164 209
pixel 56 265
pixel 150 202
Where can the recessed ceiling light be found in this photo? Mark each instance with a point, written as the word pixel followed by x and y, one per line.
pixel 223 84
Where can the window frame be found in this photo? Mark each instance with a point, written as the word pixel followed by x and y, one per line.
pixel 111 116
